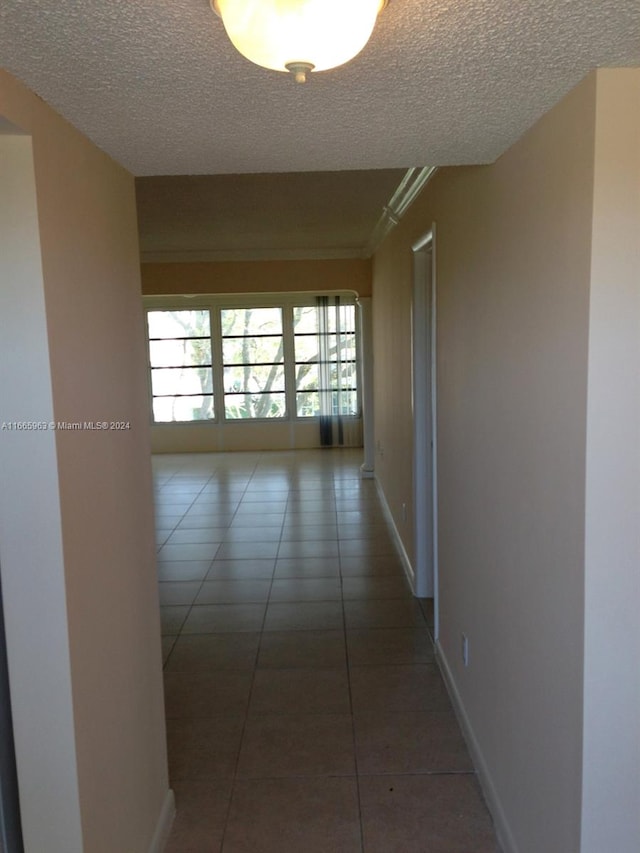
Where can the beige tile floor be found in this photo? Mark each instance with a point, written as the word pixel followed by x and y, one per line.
pixel 305 713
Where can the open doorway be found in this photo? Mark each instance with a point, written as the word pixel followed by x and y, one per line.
pixel 424 419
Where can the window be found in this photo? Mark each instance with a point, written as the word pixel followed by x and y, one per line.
pixel 325 359
pixel 181 367
pixel 273 359
pixel 253 362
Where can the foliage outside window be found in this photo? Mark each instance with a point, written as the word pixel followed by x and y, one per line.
pixel 325 360
pixel 181 365
pixel 253 363
pixel 263 361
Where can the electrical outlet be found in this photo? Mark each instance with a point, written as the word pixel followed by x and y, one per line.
pixel 465 650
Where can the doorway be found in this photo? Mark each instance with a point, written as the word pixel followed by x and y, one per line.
pixel 423 339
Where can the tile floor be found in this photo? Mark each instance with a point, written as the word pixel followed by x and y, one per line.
pixel 305 713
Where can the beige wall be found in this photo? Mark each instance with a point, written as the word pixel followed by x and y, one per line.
pixel 233 436
pixel 257 277
pixel 611 787
pixel 90 291
pixel 513 276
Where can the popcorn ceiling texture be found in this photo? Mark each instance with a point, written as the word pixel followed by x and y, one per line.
pixel 157 85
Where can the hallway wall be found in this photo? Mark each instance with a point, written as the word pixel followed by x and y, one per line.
pixel 611 758
pixel 513 276
pixel 89 315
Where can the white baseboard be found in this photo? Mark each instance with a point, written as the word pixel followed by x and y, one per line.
pixel 501 824
pixel 165 821
pixel 404 557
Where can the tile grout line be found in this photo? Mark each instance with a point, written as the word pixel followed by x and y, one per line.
pixel 229 819
pixel 353 721
pixel 188 613
pixel 213 559
pixel 234 776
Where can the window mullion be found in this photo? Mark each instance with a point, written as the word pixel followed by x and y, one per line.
pixel 289 362
pixel 216 358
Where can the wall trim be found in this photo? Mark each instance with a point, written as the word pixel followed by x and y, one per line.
pixel 424 355
pixel 404 557
pixel 501 824
pixel 410 187
pixel 180 256
pixel 165 822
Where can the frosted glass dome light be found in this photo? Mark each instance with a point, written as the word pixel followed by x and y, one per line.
pixel 299 36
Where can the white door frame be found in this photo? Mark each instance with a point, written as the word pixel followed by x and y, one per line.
pixel 38 661
pixel 423 363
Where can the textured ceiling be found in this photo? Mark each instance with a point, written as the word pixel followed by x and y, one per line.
pixel 157 85
pixel 224 217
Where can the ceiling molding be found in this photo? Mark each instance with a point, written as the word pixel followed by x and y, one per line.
pixel 408 191
pixel 411 185
pixel 218 256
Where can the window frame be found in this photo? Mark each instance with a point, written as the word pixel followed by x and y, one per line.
pixel 354 362
pixel 254 306
pixel 148 309
pixel 215 303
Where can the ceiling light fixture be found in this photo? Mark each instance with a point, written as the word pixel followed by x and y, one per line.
pixel 299 36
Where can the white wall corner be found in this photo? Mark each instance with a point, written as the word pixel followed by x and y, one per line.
pixel 165 822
